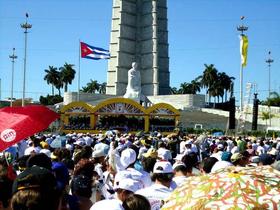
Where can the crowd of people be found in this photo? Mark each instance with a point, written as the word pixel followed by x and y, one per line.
pixel 118 171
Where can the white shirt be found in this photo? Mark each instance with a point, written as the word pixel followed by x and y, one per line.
pixel 234 150
pixel 217 155
pixel 182 147
pixel 98 169
pixel 260 150
pixel 155 194
pixel 194 148
pixel 142 150
pixel 31 149
pixel 144 181
pixel 88 140
pixel 113 204
pixel 179 180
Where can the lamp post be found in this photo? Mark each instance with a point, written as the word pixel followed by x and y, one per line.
pixel 13 57
pixel 25 26
pixel 242 28
pixel 269 61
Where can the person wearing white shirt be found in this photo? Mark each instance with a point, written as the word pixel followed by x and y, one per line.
pixel 182 146
pixel 219 152
pixel 161 189
pixel 180 173
pixel 123 189
pixel 163 153
pixel 127 160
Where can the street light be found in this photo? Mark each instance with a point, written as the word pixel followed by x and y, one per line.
pixel 242 28
pixel 269 61
pixel 25 26
pixel 13 57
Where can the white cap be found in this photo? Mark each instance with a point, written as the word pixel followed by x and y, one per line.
pixel 100 150
pixel 127 184
pixel 69 147
pixel 220 146
pixel 128 157
pixel 163 167
pixel 164 155
pixel 178 164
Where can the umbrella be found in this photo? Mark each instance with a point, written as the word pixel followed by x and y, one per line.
pixel 229 188
pixel 17 123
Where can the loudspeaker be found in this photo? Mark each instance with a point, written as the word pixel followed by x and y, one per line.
pixel 232 113
pixel 255 113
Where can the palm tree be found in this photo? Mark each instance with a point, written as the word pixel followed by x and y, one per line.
pixel 226 82
pixel 59 84
pixel 67 75
pixel 208 78
pixel 195 85
pixel 265 116
pixel 52 77
pixel 274 99
pixel 91 87
pixel 216 90
pixel 102 88
pixel 184 88
pixel 174 90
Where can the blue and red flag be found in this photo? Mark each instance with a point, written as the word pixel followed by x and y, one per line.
pixel 95 53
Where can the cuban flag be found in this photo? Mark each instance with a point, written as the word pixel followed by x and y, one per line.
pixel 95 53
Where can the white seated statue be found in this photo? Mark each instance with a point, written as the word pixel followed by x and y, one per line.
pixel 133 89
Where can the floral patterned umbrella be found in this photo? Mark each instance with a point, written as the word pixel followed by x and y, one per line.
pixel 233 188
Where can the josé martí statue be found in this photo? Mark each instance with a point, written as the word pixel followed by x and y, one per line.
pixel 133 89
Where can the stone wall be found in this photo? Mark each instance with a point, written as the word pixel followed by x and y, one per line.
pixel 86 97
pixel 181 101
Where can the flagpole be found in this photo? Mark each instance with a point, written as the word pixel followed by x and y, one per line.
pixel 241 28
pixel 78 93
pixel 241 88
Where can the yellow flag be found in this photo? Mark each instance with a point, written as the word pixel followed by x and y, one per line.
pixel 243 49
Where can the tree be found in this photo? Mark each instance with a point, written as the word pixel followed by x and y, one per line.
pixel 265 116
pixel 174 90
pixel 52 77
pixel 273 100
pixel 226 83
pixel 208 78
pixel 91 87
pixel 102 88
pixel 195 85
pixel 216 90
pixel 50 100
pixel 184 88
pixel 67 75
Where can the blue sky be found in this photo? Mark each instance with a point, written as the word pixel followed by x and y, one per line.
pixel 200 32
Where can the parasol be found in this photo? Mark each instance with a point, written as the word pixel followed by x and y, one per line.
pixel 230 188
pixel 17 123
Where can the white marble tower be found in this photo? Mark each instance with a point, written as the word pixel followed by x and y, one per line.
pixel 139 33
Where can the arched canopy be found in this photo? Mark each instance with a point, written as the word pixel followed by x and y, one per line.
pixel 118 106
pixel 162 109
pixel 77 107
